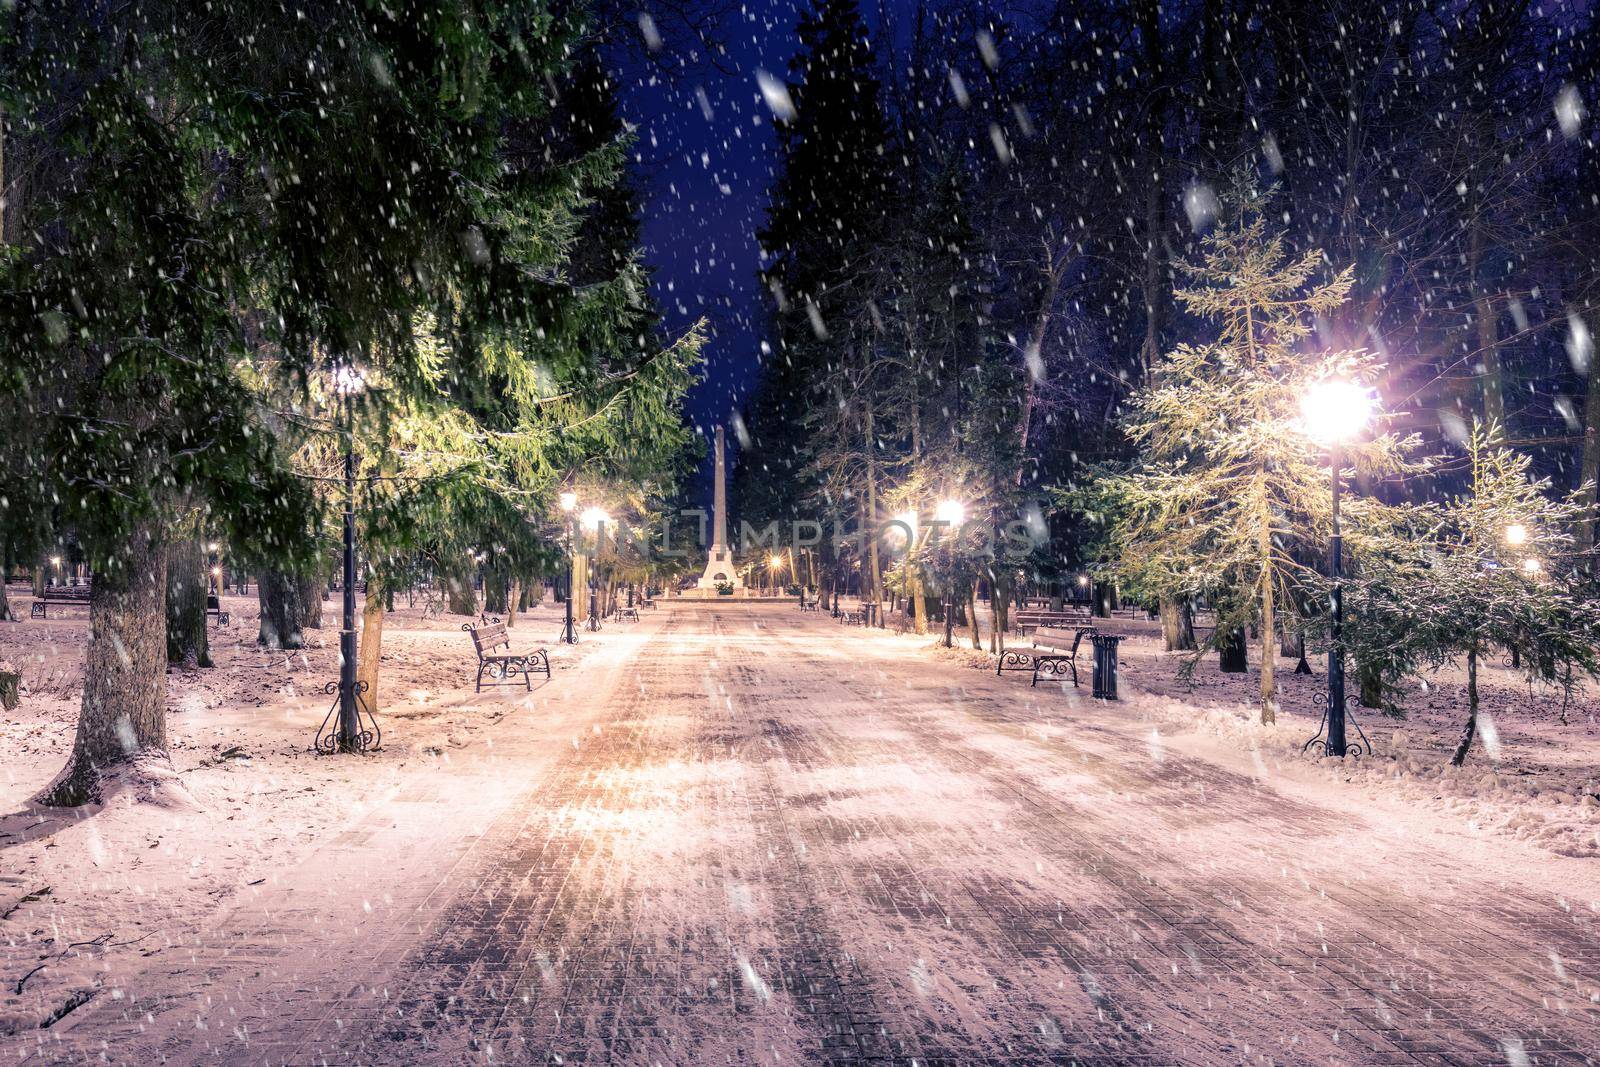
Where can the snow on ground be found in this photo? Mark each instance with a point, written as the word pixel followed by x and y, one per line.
pixel 83 891
pixel 736 833
pixel 1533 773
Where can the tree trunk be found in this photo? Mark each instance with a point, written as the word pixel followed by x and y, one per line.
pixel 919 605
pixel 125 669
pixel 10 689
pixel 310 589
pixel 971 611
pixel 463 599
pixel 514 598
pixel 1232 651
pixel 187 584
pixel 495 597
pixel 370 655
pixel 282 614
pixel 1471 729
pixel 1269 629
pixel 875 574
pixel 1369 680
pixel 1589 467
pixel 1177 624
pixel 1104 599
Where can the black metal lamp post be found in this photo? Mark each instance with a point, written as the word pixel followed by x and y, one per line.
pixel 1335 411
pixel 348 735
pixel 569 502
pixel 1336 741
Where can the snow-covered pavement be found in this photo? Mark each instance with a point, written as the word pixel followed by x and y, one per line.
pixel 739 833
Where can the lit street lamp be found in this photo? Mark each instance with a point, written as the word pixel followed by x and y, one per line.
pixel 952 513
pixel 569 503
pixel 348 736
pixel 1334 412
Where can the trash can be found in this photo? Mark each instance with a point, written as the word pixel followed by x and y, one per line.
pixel 1105 665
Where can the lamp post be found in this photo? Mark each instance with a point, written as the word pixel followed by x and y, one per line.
pixel 569 503
pixel 594 519
pixel 348 735
pixel 1334 412
pixel 951 513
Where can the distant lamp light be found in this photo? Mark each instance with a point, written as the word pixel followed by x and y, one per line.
pixel 593 517
pixel 951 512
pixel 1083 580
pixel 348 380
pixel 1517 534
pixel 1531 567
pixel 775 561
pixel 1336 410
pixel 55 561
pixel 216 572
pixel 213 546
pixel 569 501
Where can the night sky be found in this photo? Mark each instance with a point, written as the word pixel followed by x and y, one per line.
pixel 707 147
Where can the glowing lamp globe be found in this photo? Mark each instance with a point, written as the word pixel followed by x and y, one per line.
pixel 951 512
pixel 594 517
pixel 1517 534
pixel 1336 411
pixel 1531 567
pixel 569 501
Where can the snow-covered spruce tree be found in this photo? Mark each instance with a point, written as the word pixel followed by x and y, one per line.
pixel 1227 479
pixel 329 176
pixel 1498 572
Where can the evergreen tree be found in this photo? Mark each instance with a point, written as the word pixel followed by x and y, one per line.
pixel 828 211
pixel 330 176
pixel 1228 482
pixel 1493 567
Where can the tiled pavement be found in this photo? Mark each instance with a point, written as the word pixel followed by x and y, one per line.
pixel 783 842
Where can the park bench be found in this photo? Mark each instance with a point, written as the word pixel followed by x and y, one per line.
pixel 628 614
pixel 1062 654
pixel 214 609
pixel 59 594
pixel 1028 620
pixel 497 661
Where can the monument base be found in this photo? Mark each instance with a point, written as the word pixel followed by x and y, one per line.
pixel 720 571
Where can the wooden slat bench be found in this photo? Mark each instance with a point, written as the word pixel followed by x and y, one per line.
pixel 628 614
pixel 1029 620
pixel 59 594
pixel 497 661
pixel 1063 655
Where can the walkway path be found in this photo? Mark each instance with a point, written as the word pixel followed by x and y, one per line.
pixel 765 840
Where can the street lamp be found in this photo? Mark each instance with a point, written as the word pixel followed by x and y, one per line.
pixel 348 736
pixel 1516 534
pixel 594 519
pixel 569 503
pixel 952 513
pixel 1334 412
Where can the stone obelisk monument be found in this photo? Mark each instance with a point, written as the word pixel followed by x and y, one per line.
pixel 719 560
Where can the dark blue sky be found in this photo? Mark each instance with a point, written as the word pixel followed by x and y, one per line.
pixel 706 144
